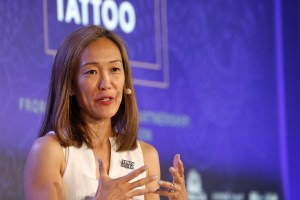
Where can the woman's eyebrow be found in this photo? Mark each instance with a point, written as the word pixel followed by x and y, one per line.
pixel 89 63
pixel 117 60
pixel 97 63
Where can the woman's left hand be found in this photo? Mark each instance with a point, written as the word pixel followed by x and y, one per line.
pixel 175 190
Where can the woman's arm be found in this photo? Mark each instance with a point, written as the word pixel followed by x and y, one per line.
pixel 151 159
pixel 43 170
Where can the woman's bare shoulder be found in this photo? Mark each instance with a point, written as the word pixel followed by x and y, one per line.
pixel 47 145
pixel 151 159
pixel 46 151
pixel 46 142
pixel 150 154
pixel 147 147
pixel 44 168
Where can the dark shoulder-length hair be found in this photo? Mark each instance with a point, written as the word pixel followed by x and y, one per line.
pixel 62 113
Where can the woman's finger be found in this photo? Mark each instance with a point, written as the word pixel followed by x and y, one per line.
pixel 142 182
pixel 175 174
pixel 102 170
pixel 138 192
pixel 165 184
pixel 133 174
pixel 166 193
pixel 181 169
pixel 176 160
pixel 102 175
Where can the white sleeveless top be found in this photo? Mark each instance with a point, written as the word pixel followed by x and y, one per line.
pixel 80 182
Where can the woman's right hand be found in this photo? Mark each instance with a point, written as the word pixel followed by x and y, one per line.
pixel 121 188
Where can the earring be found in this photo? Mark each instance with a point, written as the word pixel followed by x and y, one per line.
pixel 128 91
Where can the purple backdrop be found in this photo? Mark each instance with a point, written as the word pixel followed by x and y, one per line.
pixel 216 81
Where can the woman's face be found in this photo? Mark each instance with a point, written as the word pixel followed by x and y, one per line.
pixel 100 80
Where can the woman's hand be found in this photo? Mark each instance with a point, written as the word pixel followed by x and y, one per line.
pixel 175 190
pixel 121 188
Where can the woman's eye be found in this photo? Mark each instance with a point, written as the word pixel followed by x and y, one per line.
pixel 91 72
pixel 115 69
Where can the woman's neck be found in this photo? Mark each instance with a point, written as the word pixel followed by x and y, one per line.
pixel 101 131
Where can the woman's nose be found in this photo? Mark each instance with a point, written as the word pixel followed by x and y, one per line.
pixel 105 82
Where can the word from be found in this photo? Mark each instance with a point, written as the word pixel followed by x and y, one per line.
pixel 106 11
pixel 31 105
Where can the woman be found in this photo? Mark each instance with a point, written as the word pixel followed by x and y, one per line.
pixel 87 146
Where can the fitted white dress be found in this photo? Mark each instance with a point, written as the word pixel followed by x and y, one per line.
pixel 79 178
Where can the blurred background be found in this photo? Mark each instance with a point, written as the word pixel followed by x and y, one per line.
pixel 216 81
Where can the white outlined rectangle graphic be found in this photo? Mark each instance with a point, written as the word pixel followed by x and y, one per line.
pixel 149 62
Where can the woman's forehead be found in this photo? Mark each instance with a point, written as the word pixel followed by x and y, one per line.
pixel 101 50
